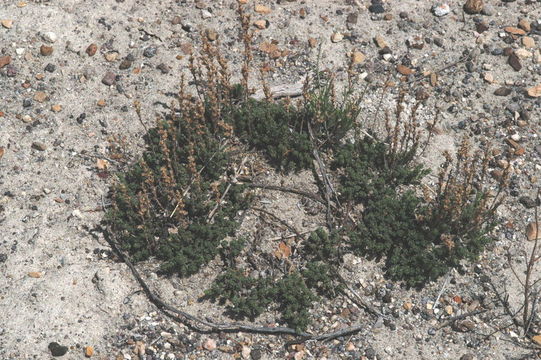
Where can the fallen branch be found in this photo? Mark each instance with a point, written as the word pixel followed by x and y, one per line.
pixel 307 194
pixel 189 320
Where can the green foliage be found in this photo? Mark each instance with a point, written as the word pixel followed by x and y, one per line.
pixel 274 129
pixel 419 238
pixel 247 297
pixel 161 205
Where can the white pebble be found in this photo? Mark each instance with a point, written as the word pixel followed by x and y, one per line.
pixel 441 9
pixel 49 36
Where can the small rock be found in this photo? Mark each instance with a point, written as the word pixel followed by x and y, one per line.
pixel 4 60
pixel 473 6
pixel 49 36
pixel 40 96
pixel 467 357
pixel 209 344
pixel 261 24
pixel 312 42
pixel 534 91
pixel 205 14
pixel 532 231
pixel 150 51
pixel 262 9
pixel 39 146
pixel 523 53
pixel 404 70
pixel 537 339
pixel 163 68
pixel 50 68
pixel 357 57
pixel 111 56
pixel 8 24
pixel 34 274
pixel 513 30
pixel 45 50
pixel 525 25
pixel 245 352
pixel 211 34
pixel 527 202
pixel 489 78
pixel 502 91
pixel 125 64
pixel 57 350
pixel 376 8
pixel 528 42
pixel 109 78
pixel 514 61
pixel 337 37
pixel 441 9
pixel 449 310
pixel 176 20
pixel 89 351
pixel 380 41
pixel 56 108
pixel 352 18
pixel 91 49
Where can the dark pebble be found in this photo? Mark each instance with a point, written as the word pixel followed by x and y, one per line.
pixel 3 258
pixel 370 353
pixel 255 354
pixel 125 64
pixel 527 202
pixel 376 8
pixel 497 51
pixel 57 350
pixel 502 91
pixel 403 15
pixel 467 357
pixel 109 78
pixel 352 18
pixel 27 103
pixel 163 68
pixel 188 28
pixel 514 62
pixel 438 42
pixel 81 118
pixel 150 52
pixel 50 68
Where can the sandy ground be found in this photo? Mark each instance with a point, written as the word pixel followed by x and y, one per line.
pixel 55 283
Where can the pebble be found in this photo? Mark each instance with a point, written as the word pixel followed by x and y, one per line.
pixel 111 56
pixel 376 7
pixel 534 91
pixel 514 61
pixel 488 10
pixel 91 49
pixel 441 9
pixel 164 68
pixel 502 91
pixel 205 14
pixel 37 145
pixel 473 6
pixel 525 25
pixel 34 274
pixel 4 60
pixel 40 96
pixel 49 36
pixel 380 41
pixel 523 53
pixel 89 351
pixel 57 350
pixel 150 52
pixel 45 50
pixel 262 9
pixel 532 231
pixel 211 34
pixel 357 57
pixel 8 24
pixel 337 37
pixel 125 64
pixel 527 202
pixel 528 42
pixel 56 108
pixel 209 344
pixel 109 78
pixel 50 68
pixel 261 24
